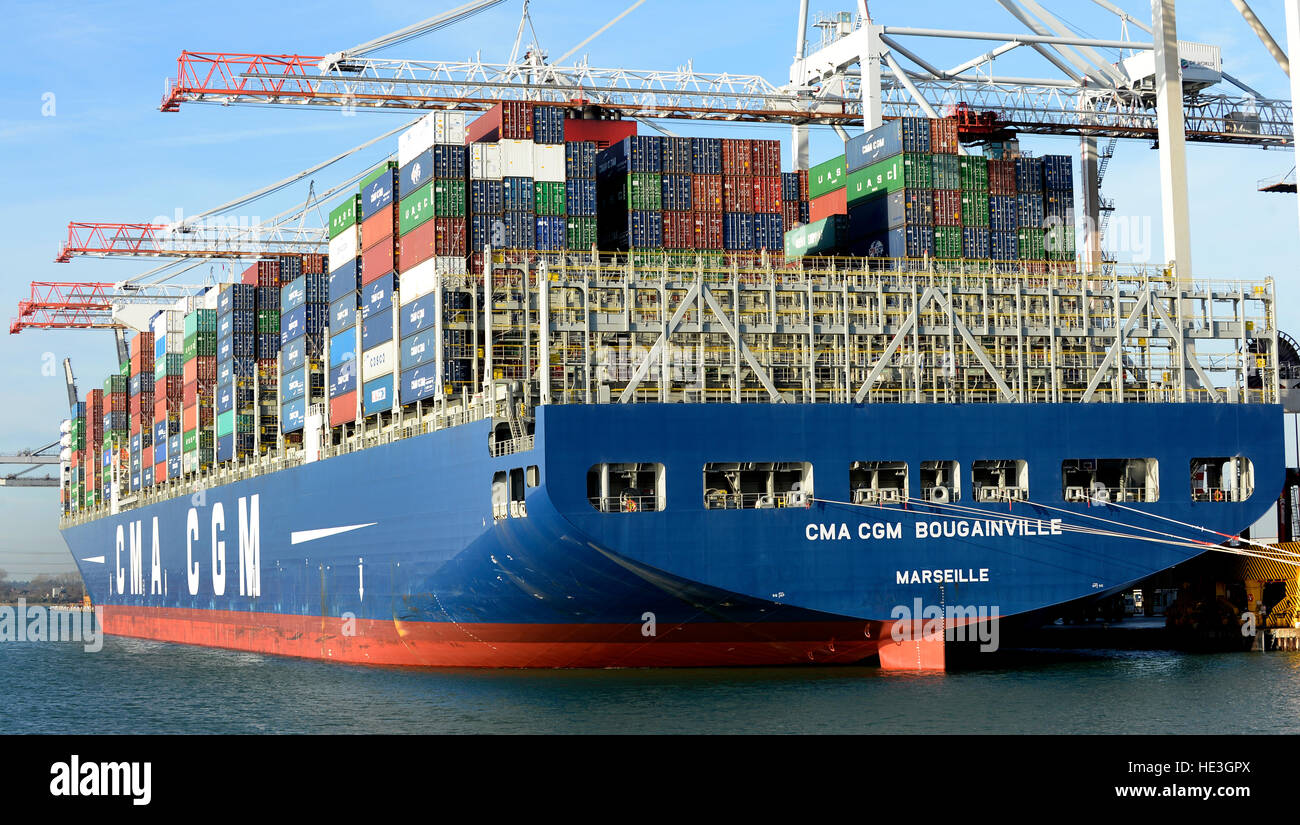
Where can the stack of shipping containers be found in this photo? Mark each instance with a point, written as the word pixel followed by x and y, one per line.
pixel 378 280
pixel 344 293
pixel 434 186
pixel 269 276
pixel 169 348
pixel 199 374
pixel 302 370
pixel 240 366
pixel 236 370
pixel 140 380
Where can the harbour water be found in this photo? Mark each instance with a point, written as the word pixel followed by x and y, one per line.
pixel 133 686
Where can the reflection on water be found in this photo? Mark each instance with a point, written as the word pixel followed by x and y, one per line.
pixel 134 686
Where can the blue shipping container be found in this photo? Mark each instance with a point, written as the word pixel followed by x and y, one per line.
pixel 1029 175
pixel 551 236
pixel 675 191
pixel 975 242
pixel 293 415
pixel 706 156
pixel 346 279
pixel 377 295
pixel 449 161
pixel 418 383
pixel 486 196
pixel 419 348
pixel 548 124
pixel 900 242
pixel 343 379
pixel 379 194
pixel 1058 172
pixel 309 319
pixel 638 153
pixel 517 194
pixel 377 395
pixel 580 196
pixel 343 315
pixel 415 174
pixel 1002 213
pixel 1029 210
pixel 377 329
pixel 738 230
pixel 343 347
pixel 906 134
pixel 1004 246
pixel 769 231
pixel 580 160
pixel 417 315
pixel 676 156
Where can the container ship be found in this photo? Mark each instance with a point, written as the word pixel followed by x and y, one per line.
pixel 563 395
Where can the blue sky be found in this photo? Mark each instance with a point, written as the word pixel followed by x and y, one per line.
pixel 108 154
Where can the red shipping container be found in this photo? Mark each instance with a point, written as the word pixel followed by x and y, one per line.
pixel 832 203
pixel 313 264
pixel 708 230
pixel 737 193
pixel 767 193
pixel 142 343
pixel 160 472
pixel 440 236
pixel 601 132
pixel 803 184
pixel 249 276
pixel 377 260
pixel 516 120
pixel 169 387
pixel 343 408
pixel 268 273
pixel 943 136
pixel 706 193
pixel 765 157
pixel 1002 177
pixel 196 416
pixel 790 214
pixel 679 230
pixel 117 402
pixel 737 157
pixel 146 456
pixel 947 207
pixel 379 227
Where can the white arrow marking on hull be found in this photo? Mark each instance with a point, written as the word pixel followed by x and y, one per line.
pixel 300 536
pixel 95 559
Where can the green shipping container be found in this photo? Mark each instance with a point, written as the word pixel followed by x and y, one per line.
pixel 342 217
pixel 974 172
pixel 268 321
pixel 826 177
pixel 1031 244
pixel 909 170
pixel 644 192
pixel 449 198
pixel 173 363
pixel 947 172
pixel 225 423
pixel 581 233
pixel 816 238
pixel 974 208
pixel 549 197
pixel 416 208
pixel 947 242
pixel 114 383
pixel 193 440
pixel 1059 242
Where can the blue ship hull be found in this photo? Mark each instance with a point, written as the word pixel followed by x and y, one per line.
pixel 393 555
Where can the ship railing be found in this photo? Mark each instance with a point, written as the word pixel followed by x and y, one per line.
pixel 624 503
pixel 513 445
pixel 725 500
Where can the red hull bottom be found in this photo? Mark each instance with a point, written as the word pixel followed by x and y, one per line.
pixel 447 644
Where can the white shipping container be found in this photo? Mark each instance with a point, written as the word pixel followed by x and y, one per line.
pixel 175 342
pixel 548 162
pixel 378 361
pixel 209 298
pixel 451 265
pixel 451 128
pixel 343 247
pixel 485 161
pixel 418 281
pixel 517 158
pixel 416 139
pixel 190 462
